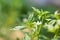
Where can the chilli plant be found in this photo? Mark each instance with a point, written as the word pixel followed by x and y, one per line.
pixel 43 25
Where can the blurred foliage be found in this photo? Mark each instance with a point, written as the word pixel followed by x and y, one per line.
pixel 43 24
pixel 10 11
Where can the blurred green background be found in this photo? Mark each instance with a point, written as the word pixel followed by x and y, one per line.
pixel 14 12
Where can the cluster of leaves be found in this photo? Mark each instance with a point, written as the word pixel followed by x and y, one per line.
pixel 43 25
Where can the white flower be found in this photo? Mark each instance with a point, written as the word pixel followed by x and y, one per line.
pixel 38 23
